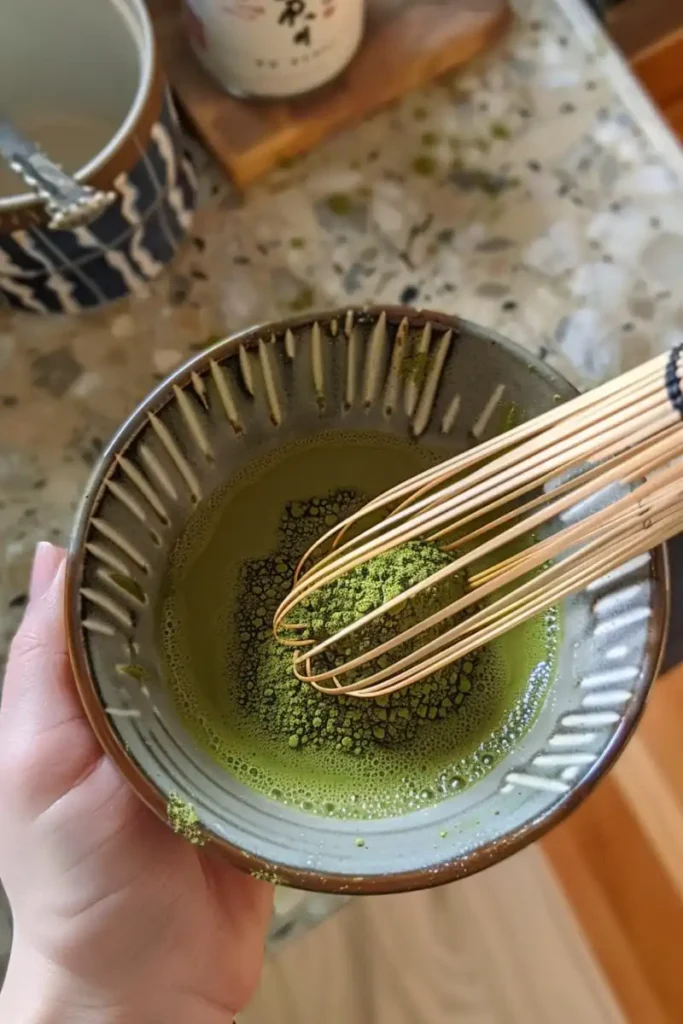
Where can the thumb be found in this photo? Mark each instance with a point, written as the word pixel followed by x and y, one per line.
pixel 46 564
pixel 40 706
pixel 38 692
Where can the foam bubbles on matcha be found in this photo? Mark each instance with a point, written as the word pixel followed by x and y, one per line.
pixel 342 757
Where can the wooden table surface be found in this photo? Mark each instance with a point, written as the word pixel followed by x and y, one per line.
pixel 499 948
pixel 620 861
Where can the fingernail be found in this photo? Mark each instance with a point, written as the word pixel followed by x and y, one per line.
pixel 46 563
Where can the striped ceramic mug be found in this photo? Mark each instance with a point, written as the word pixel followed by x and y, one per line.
pixel 83 81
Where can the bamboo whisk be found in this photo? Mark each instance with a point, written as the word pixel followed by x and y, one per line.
pixel 530 490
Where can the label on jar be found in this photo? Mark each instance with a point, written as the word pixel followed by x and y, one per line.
pixel 274 47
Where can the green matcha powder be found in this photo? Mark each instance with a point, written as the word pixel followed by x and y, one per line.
pixel 233 683
pixel 297 712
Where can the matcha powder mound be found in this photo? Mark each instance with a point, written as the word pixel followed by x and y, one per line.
pixel 295 711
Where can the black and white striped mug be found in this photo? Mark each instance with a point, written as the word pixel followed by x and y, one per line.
pixel 83 81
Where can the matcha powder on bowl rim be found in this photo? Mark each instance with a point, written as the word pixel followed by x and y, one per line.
pixel 295 711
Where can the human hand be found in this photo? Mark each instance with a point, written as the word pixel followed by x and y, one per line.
pixel 115 917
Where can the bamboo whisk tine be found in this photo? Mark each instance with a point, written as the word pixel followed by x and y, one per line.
pixel 542 487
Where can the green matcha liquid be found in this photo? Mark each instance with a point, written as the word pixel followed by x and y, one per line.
pixel 327 755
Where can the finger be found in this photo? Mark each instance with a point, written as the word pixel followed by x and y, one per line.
pixel 249 900
pixel 46 743
pixel 46 562
pixel 248 905
pixel 38 692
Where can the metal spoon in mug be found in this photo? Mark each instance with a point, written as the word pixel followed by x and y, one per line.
pixel 68 203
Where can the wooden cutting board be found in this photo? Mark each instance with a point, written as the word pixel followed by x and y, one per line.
pixel 407 44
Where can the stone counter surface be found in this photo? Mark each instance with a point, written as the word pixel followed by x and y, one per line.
pixel 538 193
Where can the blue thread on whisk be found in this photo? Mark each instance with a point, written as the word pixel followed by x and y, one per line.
pixel 673 384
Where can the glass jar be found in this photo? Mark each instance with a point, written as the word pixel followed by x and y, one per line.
pixel 274 48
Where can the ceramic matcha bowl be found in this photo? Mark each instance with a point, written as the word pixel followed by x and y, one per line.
pixel 431 380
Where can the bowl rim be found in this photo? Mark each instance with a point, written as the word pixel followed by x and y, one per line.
pixel 357 884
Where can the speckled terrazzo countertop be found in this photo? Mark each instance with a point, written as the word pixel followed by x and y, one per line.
pixel 538 193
